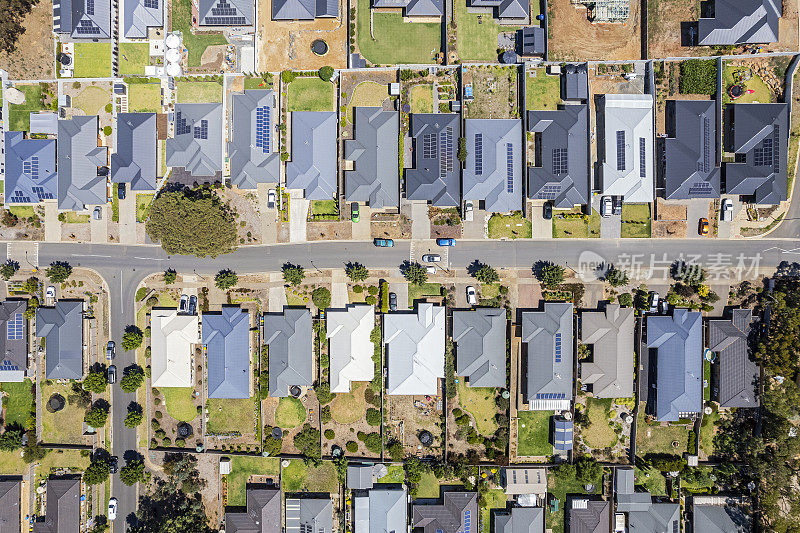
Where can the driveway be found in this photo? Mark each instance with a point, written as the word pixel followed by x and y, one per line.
pixel 99 228
pixel 339 296
pixel 127 219
pixel 269 215
pixel 420 224
pixel 611 227
pixel 475 228
pixel 695 210
pixel 540 228
pixel 298 215
pixel 361 229
pixel 52 226
pixel 401 290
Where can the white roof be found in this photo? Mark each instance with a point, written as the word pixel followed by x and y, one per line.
pixel 415 350
pixel 350 348
pixel 171 339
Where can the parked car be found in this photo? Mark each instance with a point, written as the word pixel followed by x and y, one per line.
pixel 383 243
pixel 354 212
pixel 702 228
pixel 271 199
pixel 51 292
pixel 183 305
pixel 606 206
pixel 430 269
pixel 652 301
pixel 431 258
pixel 110 350
pixel 113 464
pixel 112 374
pixel 468 207
pixel 121 191
pixel 192 304
pixel 472 297
pixel 97 214
pixel 445 242
pixel 726 213
pixel 547 211
pixel 392 301
pixel 112 509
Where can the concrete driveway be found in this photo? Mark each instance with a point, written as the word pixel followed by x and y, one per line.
pixel 361 229
pixel 401 290
pixel 695 210
pixel 540 227
pixel 99 227
pixel 52 226
pixel 269 215
pixel 420 223
pixel 127 219
pixel 298 215
pixel 611 227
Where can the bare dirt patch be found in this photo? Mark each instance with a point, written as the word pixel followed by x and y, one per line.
pixel 668 228
pixel 329 231
pixel 245 205
pixel 664 19
pixel 666 211
pixel 573 37
pixel 390 225
pixel 668 88
pixel 409 416
pixel 33 59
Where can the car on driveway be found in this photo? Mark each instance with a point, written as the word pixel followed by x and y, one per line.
pixel 97 214
pixel 430 269
pixel 192 304
pixel 652 301
pixel 183 305
pixel 392 301
pixel 726 213
pixel 110 350
pixel 112 509
pixel 606 206
pixel 445 242
pixel 383 243
pixel 547 211
pixel 50 293
pixel 468 210
pixel 112 375
pixel 431 258
pixel 472 297
pixel 355 215
pixel 271 199
pixel 702 228
pixel 121 191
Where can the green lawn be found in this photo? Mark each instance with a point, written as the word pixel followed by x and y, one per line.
pixel 428 486
pixel 477 41
pixel 199 92
pixel 533 433
pixel 657 439
pixel 257 83
pixel 133 57
pixel 11 463
pixel 367 94
pixel 19 114
pixel 180 405
pixel 706 379
pixel 22 211
pixel 760 92
pixel 19 402
pixel 115 202
pixel 71 459
pixel 65 426
pixel 351 407
pixel 92 60
pixel 420 98
pixel 395 41
pixel 512 226
pixel 559 486
pixel 196 44
pixel 144 97
pixel 494 499
pixel 635 220
pixel 230 415
pixel 324 207
pixel 479 402
pixel 572 227
pixel 542 92
pixel 71 217
pixel 241 469
pixel 417 292
pixel 599 434
pixel 652 480
pixel 143 202
pixel 311 94
pixel 298 477
pixel 594 224
pixel 290 413
pixel 395 474
pixel 707 431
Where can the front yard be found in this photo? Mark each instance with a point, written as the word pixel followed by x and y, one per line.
pixel 242 468
pixel 636 220
pixel 533 433
pixel 420 292
pixel 199 92
pixel 513 226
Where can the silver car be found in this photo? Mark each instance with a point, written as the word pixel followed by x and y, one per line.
pixel 431 258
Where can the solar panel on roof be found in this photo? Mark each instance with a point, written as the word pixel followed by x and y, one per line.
pixel 467 521
pixel 225 21
pixel 776 143
pixel 642 158
pixel 90 7
pixel 263 129
pixel 14 327
pixel 621 151
pixel 510 167
pixel 706 144
pixel 429 146
pixel 549 192
pixel 478 154
pixel 152 4
pixel 559 161
pixel 446 152
pixel 558 348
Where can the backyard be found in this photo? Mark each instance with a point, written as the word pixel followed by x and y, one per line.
pixel 559 486
pixel 635 220
pixel 92 100
pixel 19 402
pixel 133 57
pixel 599 434
pixel 755 90
pixel 419 292
pixel 395 41
pixel 290 413
pixel 533 433
pixel 652 480
pixel 494 91
pixel 195 43
pixel 657 438
pixel 428 486
pixel 242 468
pixel 367 94
pixel 479 402
pixel 311 94
pixel 349 408
pixel 493 499
pixel 228 415
pixel 92 60
pixel 144 97
pixel 420 98
pixel 179 403
pixel 513 226
pixel 395 474
pixel 19 114
pixel 199 92
pixel 66 425
pixel 542 92
pixel 299 477
pixel 477 33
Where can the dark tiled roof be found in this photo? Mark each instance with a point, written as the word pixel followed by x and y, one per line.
pixel 62 328
pixel 457 514
pixel 313 164
pixel 290 352
pixel 505 9
pixel 9 506
pixel 63 507
pixel 13 337
pixel 226 12
pixel 531 40
pixel 226 336
pixel 263 513
pixel 304 9
pixel 741 21
pixel 594 518
pixel 690 151
pixel 374 152
pixel 250 163
pixel 134 161
pixel 436 176
pixel 520 520
pixel 738 371
pixel 30 172
pixel 413 8
pixel 480 337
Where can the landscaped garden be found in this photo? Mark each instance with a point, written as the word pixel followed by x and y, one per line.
pixel 133 58
pixel 310 94
pixel 64 426
pixel 542 92
pixel 290 413
pixel 477 33
pixel 299 477
pixel 635 220
pixel 19 114
pixel 180 403
pixel 561 482
pixel 144 97
pixel 242 467
pixel 533 433
pixel 419 292
pixel 199 92
pixel 513 226
pixel 196 43
pixel 479 402
pixel 396 41
pixel 420 98
pixel 599 434
pixel 652 480
pixel 92 60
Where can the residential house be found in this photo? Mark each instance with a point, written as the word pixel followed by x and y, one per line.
pixel 79 159
pixel 304 9
pixel 226 340
pixel 313 164
pixel 62 506
pixel 493 171
pixel 626 151
pixel 380 510
pixel 760 141
pixel 561 170
pixel 575 82
pixel 436 176
pixel 30 169
pixel 9 505
pixel 589 516
pixel 520 520
pixel 253 143
pixel 738 372
pixel 62 328
pixel 374 177
pixel 563 432
pixel 172 337
pixel 350 347
pixel 480 338
pixel 717 514
pixel 415 350
pixel 531 41
pixel 644 515
pixel 134 162
pixel 610 334
pixel 291 360
pixel 262 514
pixel 458 513
pixel 225 13
pixel 14 344
pixel 547 357
pixel 138 16
pixel 196 146
pixel 413 8
pixel 516 12
pixel 309 514
pixel 740 22
pixel 524 480
pixel 83 19
pixel 676 364
pixel 691 169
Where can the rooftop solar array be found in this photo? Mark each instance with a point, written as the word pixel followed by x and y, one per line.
pixel 90 7
pixel 153 4
pixel 19 198
pixel 8 366
pixel 225 14
pixel 621 151
pixel 551 396
pixel 15 327
pixel 706 145
pixel 31 167
pixel 87 27
pixel 776 152
pixel 263 129
pixel 429 146
pixel 763 155
pixel 510 167
pixel 549 192
pixel 642 158
pixel 701 188
pixel 446 152
pixel 558 348
pixel 40 192
pixel 478 154
pixel 467 521
pixel 559 161
pixel 201 131
pixel 225 21
pixel 181 127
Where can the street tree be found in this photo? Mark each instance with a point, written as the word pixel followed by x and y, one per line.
pixel 616 276
pixel 415 273
pixel 356 272
pixel 8 269
pixel 321 297
pixel 132 472
pixel 132 338
pixel 293 274
pixel 59 271
pixel 98 470
pixel 486 274
pixel 550 275
pixel 134 416
pixel 96 381
pixel 170 276
pixel 132 378
pixel 225 279
pixel 97 415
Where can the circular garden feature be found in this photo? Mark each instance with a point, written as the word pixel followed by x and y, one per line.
pixel 56 403
pixel 425 438
pixel 185 430
pixel 319 47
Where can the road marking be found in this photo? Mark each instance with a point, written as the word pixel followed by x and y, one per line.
pixel 89 255
pixel 149 258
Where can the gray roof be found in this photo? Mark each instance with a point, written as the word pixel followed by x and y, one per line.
pixel 562 434
pixel 563 176
pixel 253 145
pixel 741 21
pixel 493 177
pixel 549 371
pixel 761 135
pixel 62 328
pixel 382 510
pixel 679 369
pixel 226 337
pixel 413 8
pixel 359 476
pixel 575 82
pixel 226 12
pixel 628 500
pixel 658 518
pixel 63 507
pixel 304 9
pixel 611 335
pixel 436 176
pixel 197 144
pixel 520 520
pixel 309 514
pixel 13 340
pixel 374 152
pixel 691 170
pixel 30 169
pixel 719 519
pixel 627 146
pixel 415 350
pixel 83 19
pixel 313 164
pixel 451 516
pixel 738 372
pixel 480 336
pixel 9 505
pixel 593 518
pixel 138 16
pixel 43 122
pixel 78 160
pixel 290 352
pixel 134 161
pixel 505 9
pixel 263 514
pixel 531 40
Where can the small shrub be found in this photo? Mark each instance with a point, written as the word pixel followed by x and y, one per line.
pixel 329 434
pixel 351 446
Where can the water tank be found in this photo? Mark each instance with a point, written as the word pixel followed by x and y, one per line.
pixel 173 69
pixel 172 41
pixel 173 55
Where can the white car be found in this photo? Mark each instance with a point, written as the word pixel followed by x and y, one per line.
pixel 183 305
pixel 112 509
pixel 431 269
pixel 653 299
pixel 50 292
pixel 271 198
pixel 472 297
pixel 726 213
pixel 431 258
pixel 468 207
pixel 606 206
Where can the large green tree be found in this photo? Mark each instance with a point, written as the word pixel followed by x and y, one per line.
pixel 132 472
pixel 132 338
pixel 11 18
pixel 356 272
pixel 59 271
pixel 415 273
pixel 225 279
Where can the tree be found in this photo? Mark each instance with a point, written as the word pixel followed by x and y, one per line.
pixel 616 277
pixel 625 299
pixel 225 279
pixel 485 274
pixel 587 470
pixel 373 417
pixel 550 275
pixel 96 381
pixel 325 73
pixel 132 378
pixel 97 415
pixel 462 149
pixel 415 273
pixel 169 509
pixel 8 269
pixel 31 285
pixel 192 223
pixel 321 297
pixel 30 310
pixel 59 271
pixel 307 441
pixel 134 416
pixel 356 272
pixel 11 19
pixel 34 451
pixel 132 338
pixel 98 470
pixel 132 472
pixel 170 276
pixel 293 274
pixel 11 439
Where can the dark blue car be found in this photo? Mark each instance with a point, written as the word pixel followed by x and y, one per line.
pixel 384 243
pixel 446 242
